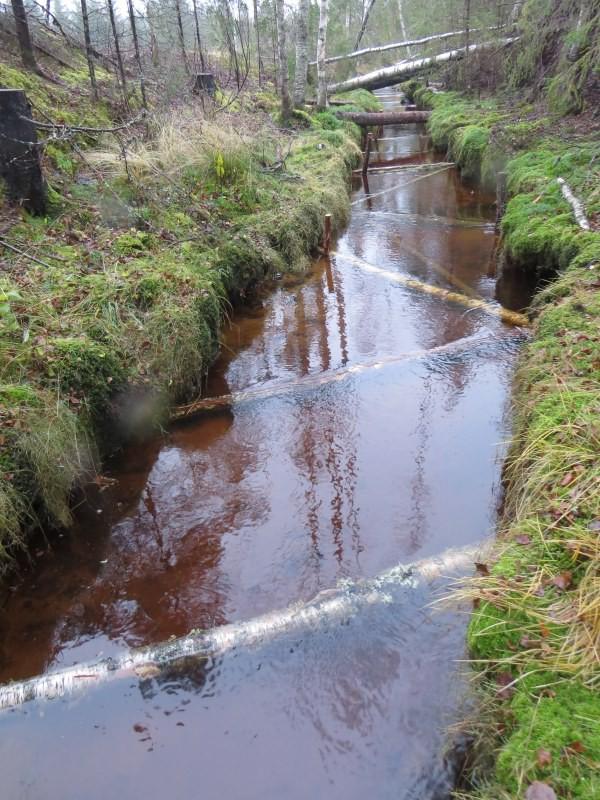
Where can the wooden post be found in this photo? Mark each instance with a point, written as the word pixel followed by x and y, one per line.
pixel 367 154
pixel 501 196
pixel 327 234
pixel 19 152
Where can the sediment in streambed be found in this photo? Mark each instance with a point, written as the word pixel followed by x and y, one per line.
pixel 534 631
pixel 137 266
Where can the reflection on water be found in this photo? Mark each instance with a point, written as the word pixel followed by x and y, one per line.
pixel 270 502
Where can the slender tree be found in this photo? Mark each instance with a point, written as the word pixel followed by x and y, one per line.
pixel 301 54
pixel 88 48
pixel 259 63
pixel 403 26
pixel 322 54
pixel 115 33
pixel 136 48
pixel 23 36
pixel 467 42
pixel 198 39
pixel 181 36
pixel 286 103
pixel 363 26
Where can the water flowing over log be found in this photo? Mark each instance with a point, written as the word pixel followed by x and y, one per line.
pixel 388 76
pixel 408 43
pixel 368 118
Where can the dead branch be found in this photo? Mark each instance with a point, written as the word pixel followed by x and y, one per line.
pixel 575 203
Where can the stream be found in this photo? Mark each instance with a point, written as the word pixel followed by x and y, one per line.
pixel 366 433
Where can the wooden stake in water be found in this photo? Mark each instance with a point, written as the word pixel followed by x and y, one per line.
pixel 327 234
pixel 367 155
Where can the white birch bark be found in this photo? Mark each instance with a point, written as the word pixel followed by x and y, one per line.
pixel 388 76
pixel 301 54
pixel 365 51
pixel 322 54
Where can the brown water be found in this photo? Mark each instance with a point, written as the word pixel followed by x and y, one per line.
pixel 266 504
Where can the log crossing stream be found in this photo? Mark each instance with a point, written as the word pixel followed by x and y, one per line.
pixel 246 611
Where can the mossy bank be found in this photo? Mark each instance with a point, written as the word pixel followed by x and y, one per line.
pixel 535 629
pixel 111 310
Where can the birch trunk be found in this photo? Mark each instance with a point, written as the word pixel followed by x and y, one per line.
pixel 388 76
pixel 403 25
pixel 286 103
pixel 322 55
pixel 363 26
pixel 301 54
pixel 365 51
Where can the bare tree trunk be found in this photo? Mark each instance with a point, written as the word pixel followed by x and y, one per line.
pixel 198 39
pixel 259 63
pixel 467 42
pixel 363 26
pixel 387 76
pixel 181 36
pixel 301 54
pixel 403 26
pixel 383 48
pixel 322 54
pixel 88 48
pixel 47 12
pixel 515 12
pixel 286 103
pixel 136 48
pixel 154 53
pixel 113 25
pixel 23 36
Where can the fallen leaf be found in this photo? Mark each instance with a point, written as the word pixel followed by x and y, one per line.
pixel 594 526
pixel 482 569
pixel 504 681
pixel 523 538
pixel 562 581
pixel 544 630
pixel 568 478
pixel 540 791
pixel 544 757
pixel 576 747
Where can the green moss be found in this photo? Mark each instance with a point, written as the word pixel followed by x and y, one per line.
pixel 115 309
pixel 561 721
pixel 86 369
pixel 132 243
pixel 467 146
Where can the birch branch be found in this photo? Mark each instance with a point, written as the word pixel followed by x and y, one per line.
pixel 575 203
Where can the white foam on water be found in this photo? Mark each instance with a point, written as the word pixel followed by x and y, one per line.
pixel 329 606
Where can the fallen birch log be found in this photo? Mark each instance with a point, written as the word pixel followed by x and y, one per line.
pixel 367 118
pixel 388 76
pixel 575 203
pixel 384 48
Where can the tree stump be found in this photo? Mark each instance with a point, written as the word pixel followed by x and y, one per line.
pixel 19 152
pixel 204 83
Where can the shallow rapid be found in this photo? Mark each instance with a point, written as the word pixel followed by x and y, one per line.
pixel 362 430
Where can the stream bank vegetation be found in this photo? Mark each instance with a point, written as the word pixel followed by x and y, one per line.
pixel 534 636
pixel 163 211
pixel 181 174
